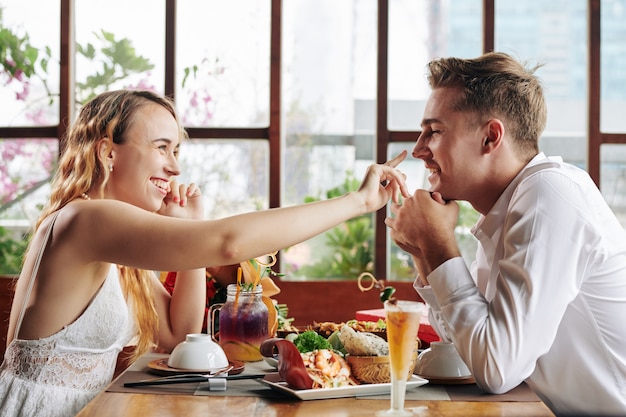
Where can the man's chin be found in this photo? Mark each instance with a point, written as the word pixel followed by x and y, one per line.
pixel 444 194
pixel 434 188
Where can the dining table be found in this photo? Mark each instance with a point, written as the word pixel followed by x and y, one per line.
pixel 255 396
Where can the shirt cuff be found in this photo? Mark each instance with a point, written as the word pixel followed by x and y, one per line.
pixel 449 277
pixel 434 311
pixel 428 296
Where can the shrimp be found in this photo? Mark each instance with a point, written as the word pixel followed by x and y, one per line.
pixel 327 368
pixel 328 362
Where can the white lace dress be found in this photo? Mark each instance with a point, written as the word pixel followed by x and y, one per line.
pixel 58 375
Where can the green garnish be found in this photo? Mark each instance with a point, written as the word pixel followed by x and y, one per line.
pixel 246 286
pixel 387 293
pixel 310 341
pixel 284 322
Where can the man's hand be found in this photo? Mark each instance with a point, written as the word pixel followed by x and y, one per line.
pixel 423 225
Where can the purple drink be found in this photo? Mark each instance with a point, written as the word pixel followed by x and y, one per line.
pixel 243 324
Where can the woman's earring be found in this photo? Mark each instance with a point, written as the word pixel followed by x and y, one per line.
pixel 110 167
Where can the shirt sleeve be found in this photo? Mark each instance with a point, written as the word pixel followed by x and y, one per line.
pixel 539 271
pixel 435 318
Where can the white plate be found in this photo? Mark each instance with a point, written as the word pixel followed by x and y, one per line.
pixel 275 382
pixel 273 362
pixel 442 380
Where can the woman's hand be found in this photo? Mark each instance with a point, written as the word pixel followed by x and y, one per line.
pixel 183 201
pixel 383 182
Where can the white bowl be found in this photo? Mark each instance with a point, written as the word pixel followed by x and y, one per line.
pixel 199 353
pixel 441 360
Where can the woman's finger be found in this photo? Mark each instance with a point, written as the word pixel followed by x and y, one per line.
pixel 187 191
pixel 394 162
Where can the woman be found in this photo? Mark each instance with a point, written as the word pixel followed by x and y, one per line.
pixel 115 214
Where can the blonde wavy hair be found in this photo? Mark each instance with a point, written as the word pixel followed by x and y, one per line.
pixel 82 171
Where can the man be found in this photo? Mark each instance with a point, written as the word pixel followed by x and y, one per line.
pixel 545 300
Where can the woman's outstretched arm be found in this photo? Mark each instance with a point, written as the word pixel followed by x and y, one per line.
pixel 130 236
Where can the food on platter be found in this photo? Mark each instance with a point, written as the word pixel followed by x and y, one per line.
pixel 308 360
pixel 310 341
pixel 367 355
pixel 327 369
pixel 322 368
pixel 326 328
pixel 362 343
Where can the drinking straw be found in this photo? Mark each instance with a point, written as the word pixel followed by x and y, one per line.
pixel 239 272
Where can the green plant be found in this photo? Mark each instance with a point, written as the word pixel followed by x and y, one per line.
pixel 465 239
pixel 19 60
pixel 467 215
pixel 12 251
pixel 118 60
pixel 349 244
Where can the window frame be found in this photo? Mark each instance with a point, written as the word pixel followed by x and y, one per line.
pixel 272 133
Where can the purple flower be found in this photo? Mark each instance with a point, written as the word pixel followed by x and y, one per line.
pixel 24 94
pixel 193 101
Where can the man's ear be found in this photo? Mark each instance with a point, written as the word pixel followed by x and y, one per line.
pixel 494 135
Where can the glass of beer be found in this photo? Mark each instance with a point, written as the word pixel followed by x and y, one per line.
pixel 403 321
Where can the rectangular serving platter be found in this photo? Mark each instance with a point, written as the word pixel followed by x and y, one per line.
pixel 275 382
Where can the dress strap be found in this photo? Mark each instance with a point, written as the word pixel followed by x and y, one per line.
pixel 31 282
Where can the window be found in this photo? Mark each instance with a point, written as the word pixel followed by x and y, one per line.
pixel 552 34
pixel 119 44
pixel 287 101
pixel 222 63
pixel 612 105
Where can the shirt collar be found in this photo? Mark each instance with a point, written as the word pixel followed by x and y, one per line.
pixel 488 225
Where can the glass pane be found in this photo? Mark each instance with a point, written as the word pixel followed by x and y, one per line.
pixel 120 44
pixel 400 266
pixel 232 174
pixel 329 88
pixel 552 33
pixel 26 167
pixel 613 178
pixel 420 31
pixel 29 74
pixel 613 62
pixel 223 62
